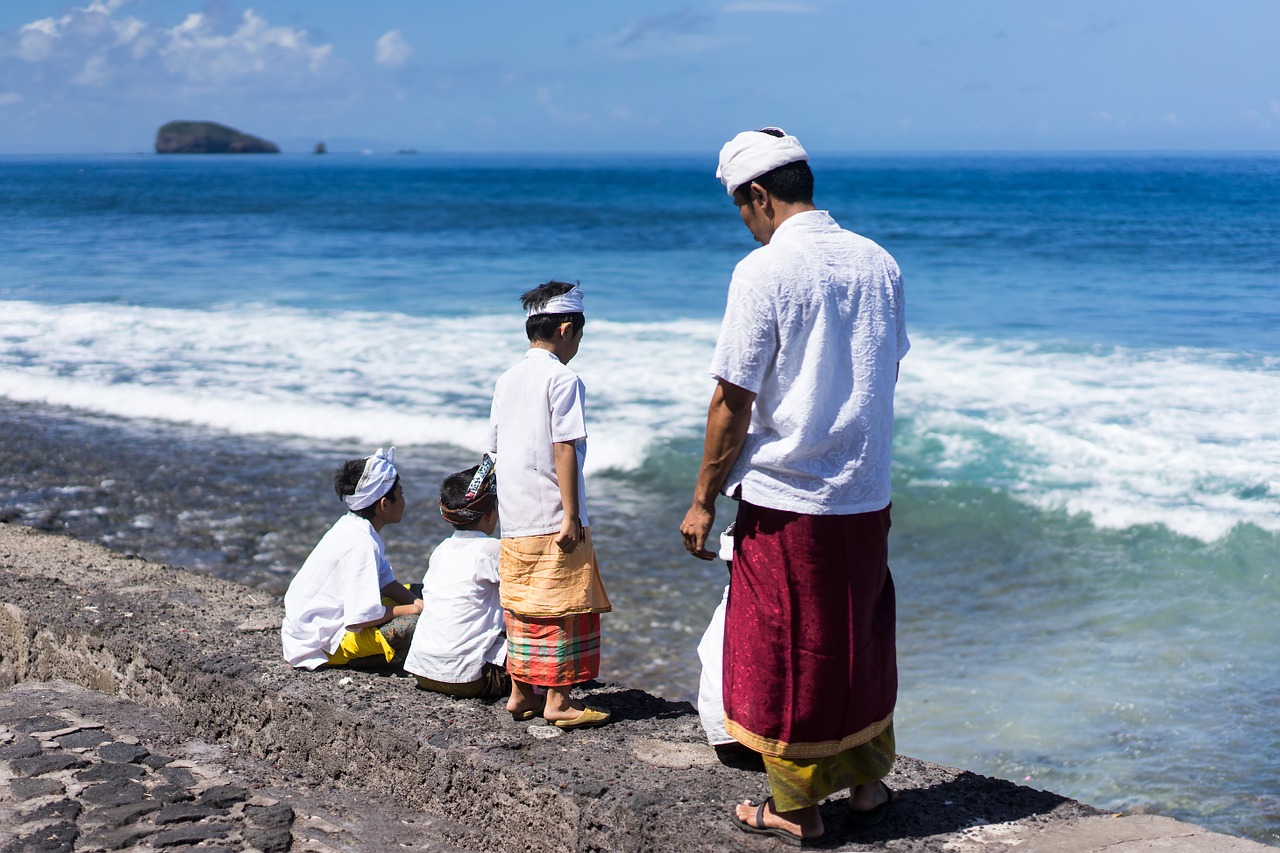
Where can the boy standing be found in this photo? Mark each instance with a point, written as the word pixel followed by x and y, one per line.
pixel 346 589
pixel 551 587
pixel 460 644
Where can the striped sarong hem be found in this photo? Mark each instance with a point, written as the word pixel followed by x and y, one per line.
pixel 553 652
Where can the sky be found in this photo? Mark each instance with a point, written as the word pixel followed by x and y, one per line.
pixel 91 76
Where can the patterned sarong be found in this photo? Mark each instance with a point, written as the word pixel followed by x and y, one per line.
pixel 810 664
pixel 557 652
pixel 796 783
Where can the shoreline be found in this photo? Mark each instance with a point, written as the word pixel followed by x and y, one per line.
pixel 203 653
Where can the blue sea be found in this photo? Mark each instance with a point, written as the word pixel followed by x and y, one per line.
pixel 1086 534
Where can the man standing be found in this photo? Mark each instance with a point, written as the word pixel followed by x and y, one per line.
pixel 799 430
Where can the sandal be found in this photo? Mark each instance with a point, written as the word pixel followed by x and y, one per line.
pixel 757 826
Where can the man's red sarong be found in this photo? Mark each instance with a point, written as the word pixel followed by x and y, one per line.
pixel 810 665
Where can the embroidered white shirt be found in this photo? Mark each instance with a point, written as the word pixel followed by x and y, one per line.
pixel 535 404
pixel 815 326
pixel 340 584
pixel 462 626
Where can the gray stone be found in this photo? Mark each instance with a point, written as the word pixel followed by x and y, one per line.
pixel 155 762
pixel 24 788
pixel 64 810
pixel 280 814
pixel 223 796
pixel 44 723
pixel 116 793
pixel 178 776
pixel 172 793
pixel 83 739
pixel 122 753
pixel 54 838
pixel 38 765
pixel 110 816
pixel 116 838
pixel 109 772
pixel 182 812
pixel 23 747
pixel 273 840
pixel 190 834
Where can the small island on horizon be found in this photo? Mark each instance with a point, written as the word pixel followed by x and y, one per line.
pixel 208 137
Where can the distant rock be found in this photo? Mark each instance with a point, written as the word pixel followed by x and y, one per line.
pixel 320 149
pixel 207 137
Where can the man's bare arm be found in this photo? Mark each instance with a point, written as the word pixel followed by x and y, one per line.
pixel 728 418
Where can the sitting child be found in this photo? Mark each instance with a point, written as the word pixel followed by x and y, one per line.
pixel 460 645
pixel 346 588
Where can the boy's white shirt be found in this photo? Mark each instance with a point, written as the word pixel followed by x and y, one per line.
pixel 462 626
pixel 536 404
pixel 340 584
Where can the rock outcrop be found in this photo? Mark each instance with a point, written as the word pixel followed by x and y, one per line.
pixel 204 734
pixel 207 137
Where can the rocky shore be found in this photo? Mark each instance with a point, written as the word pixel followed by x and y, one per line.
pixel 146 707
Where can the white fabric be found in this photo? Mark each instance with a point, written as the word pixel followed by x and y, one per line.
pixel 535 404
pixel 566 303
pixel 751 153
pixel 377 478
pixel 340 584
pixel 462 626
pixel 711 683
pixel 815 326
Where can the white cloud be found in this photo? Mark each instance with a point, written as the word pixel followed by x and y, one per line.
pixel 7 98
pixel 392 50
pixel 92 46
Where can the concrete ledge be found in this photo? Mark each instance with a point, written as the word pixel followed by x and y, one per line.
pixel 205 654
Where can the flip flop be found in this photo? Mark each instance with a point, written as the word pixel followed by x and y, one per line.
pixel 588 719
pixel 757 826
pixel 871 817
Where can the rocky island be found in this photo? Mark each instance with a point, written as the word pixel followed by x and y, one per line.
pixel 207 137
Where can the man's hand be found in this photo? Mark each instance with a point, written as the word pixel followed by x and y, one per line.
pixel 695 529
pixel 570 534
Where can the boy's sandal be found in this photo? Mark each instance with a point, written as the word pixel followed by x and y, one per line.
pixel 588 719
pixel 529 713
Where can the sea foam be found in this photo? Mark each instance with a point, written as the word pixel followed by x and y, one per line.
pixel 1188 439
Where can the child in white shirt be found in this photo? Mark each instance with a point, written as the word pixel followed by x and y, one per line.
pixel 346 589
pixel 460 644
pixel 551 586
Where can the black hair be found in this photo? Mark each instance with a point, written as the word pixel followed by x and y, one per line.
pixel 542 327
pixel 792 183
pixel 347 477
pixel 453 495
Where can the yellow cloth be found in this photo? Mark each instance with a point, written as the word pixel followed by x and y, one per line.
pixel 539 580
pixel 797 783
pixel 361 644
pixel 365 642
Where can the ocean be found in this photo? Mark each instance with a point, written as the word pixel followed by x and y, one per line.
pixel 1086 536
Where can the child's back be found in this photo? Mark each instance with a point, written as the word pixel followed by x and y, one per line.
pixel 460 644
pixel 551 586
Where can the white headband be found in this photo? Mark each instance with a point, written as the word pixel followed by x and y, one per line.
pixel 565 303
pixel 377 478
pixel 752 153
